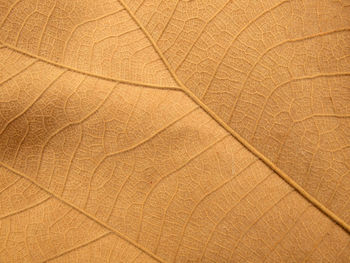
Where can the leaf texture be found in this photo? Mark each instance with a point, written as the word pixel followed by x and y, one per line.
pixel 112 142
pixel 38 227
pixel 277 72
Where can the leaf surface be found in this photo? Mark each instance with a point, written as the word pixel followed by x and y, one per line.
pixel 277 72
pixel 127 131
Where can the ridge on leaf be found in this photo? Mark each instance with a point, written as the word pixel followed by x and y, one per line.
pixel 276 73
pixel 115 141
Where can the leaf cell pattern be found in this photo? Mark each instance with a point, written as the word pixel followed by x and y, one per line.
pixel 105 157
pixel 277 72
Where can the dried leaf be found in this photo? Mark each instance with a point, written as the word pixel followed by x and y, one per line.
pixel 174 131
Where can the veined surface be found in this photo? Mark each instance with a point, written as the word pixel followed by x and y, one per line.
pixel 174 131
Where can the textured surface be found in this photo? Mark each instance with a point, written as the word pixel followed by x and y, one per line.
pixel 106 156
pixel 277 72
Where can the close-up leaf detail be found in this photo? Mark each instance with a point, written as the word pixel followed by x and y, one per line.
pixel 174 131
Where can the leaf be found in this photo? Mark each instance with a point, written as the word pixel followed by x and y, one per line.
pixel 37 227
pixel 276 72
pixel 108 156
